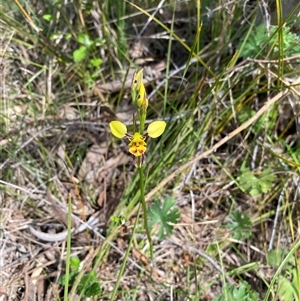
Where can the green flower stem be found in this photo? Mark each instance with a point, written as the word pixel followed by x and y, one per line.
pixel 145 217
pixel 142 118
pixel 143 205
pixel 133 95
pixel 142 123
pixel 121 272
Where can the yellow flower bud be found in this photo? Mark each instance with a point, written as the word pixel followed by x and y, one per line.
pixel 142 101
pixel 137 80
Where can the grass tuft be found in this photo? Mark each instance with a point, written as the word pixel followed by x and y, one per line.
pixel 224 75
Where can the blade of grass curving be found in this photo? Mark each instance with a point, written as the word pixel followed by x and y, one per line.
pixel 285 261
pixel 39 40
pixel 217 145
pixel 122 41
pixel 175 36
pixel 195 45
pixel 121 271
pixel 280 42
pixel 198 25
pixel 169 61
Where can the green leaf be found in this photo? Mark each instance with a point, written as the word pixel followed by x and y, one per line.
pixel 93 290
pixel 95 62
pixel 118 220
pixel 256 185
pixel 289 290
pixel 89 285
pixel 266 179
pixel 267 121
pixel 288 280
pixel 241 225
pixel 48 17
pixel 75 262
pixel 240 293
pixel 99 42
pixel 254 42
pixel 84 39
pixel 275 257
pixel 160 214
pixel 259 38
pixel 72 277
pixel 87 279
pixel 80 54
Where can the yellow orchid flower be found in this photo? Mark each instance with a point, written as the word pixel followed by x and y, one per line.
pixel 137 144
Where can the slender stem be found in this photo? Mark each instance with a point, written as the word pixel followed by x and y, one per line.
pixel 121 272
pixel 145 217
pixel 142 123
pixel 143 205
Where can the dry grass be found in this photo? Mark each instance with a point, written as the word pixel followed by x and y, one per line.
pixel 56 148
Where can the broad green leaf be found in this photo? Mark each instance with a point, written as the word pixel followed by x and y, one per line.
pixel 93 289
pixel 241 225
pixel 163 215
pixel 256 184
pixel 75 262
pixel 48 17
pixel 80 54
pixel 84 39
pixel 240 293
pixel 95 62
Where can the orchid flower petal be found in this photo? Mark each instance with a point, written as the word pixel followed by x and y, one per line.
pixel 118 129
pixel 137 145
pixel 156 128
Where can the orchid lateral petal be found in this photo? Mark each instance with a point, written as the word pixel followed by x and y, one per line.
pixel 118 129
pixel 156 128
